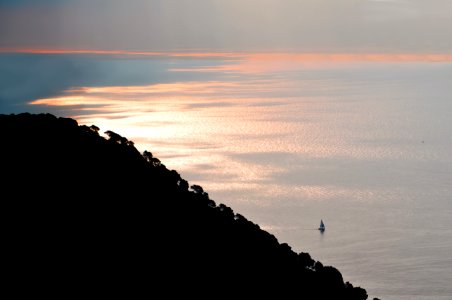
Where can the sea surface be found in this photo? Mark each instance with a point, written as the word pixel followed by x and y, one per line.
pixel 364 145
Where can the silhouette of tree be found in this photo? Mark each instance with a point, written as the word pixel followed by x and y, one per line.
pixel 305 260
pixel 151 159
pixel 183 184
pixel 114 137
pixel 197 189
pixel 147 155
pixel 226 211
pixel 94 129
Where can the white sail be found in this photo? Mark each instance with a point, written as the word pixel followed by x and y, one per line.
pixel 322 226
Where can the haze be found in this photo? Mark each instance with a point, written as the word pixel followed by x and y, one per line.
pixel 397 26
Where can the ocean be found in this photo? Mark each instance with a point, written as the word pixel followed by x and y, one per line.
pixel 364 146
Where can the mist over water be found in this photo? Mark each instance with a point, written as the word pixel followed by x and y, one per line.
pixel 365 146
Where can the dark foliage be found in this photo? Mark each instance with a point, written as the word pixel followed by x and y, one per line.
pixel 90 216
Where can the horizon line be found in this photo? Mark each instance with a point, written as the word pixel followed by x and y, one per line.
pixel 251 55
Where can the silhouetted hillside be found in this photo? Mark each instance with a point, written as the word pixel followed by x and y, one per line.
pixel 90 216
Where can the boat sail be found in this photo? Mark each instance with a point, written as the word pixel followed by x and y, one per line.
pixel 322 226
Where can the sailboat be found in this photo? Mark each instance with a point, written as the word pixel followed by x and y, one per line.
pixel 322 226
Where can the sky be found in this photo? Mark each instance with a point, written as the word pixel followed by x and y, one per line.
pixel 344 26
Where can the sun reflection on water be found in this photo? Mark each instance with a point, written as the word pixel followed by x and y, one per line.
pixel 201 128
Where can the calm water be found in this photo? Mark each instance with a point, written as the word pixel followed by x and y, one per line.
pixel 364 146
